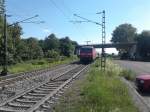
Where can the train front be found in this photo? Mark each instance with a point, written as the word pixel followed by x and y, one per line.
pixel 87 54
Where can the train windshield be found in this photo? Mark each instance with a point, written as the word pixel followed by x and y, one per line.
pixel 86 50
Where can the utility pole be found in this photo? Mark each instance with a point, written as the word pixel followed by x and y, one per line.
pixel 102 24
pixel 5 47
pixel 103 56
pixel 5 70
pixel 5 38
pixel 87 42
pixel 5 53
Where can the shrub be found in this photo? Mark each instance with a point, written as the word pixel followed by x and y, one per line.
pixel 38 62
pixel 52 54
pixel 128 74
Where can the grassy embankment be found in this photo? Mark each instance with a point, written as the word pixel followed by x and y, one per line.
pixel 37 64
pixel 100 92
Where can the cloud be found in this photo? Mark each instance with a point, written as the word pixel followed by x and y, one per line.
pixel 46 30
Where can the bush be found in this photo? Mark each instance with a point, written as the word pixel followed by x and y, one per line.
pixel 51 60
pixel 52 54
pixel 128 74
pixel 38 62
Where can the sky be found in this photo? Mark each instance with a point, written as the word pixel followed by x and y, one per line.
pixel 57 15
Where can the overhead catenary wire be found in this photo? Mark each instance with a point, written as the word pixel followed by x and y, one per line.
pixel 66 16
pixel 86 20
pixel 58 8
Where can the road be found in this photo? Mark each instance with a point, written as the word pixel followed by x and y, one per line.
pixel 136 66
pixel 142 101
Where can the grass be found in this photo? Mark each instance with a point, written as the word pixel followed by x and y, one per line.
pixel 102 92
pixel 37 64
pixel 128 74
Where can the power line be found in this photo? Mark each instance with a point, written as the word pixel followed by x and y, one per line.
pixel 78 28
pixel 102 24
pixel 66 16
pixel 60 10
pixel 86 20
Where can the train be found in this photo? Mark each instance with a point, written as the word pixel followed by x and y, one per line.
pixel 87 54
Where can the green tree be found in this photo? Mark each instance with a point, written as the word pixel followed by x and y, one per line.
pixel 66 47
pixel 52 54
pixel 51 42
pixel 14 38
pixel 34 51
pixel 124 33
pixel 143 40
pixel 22 51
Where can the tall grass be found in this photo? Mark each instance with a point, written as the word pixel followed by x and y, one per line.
pixel 37 64
pixel 103 92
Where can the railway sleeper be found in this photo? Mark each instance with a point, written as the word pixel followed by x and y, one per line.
pixel 8 108
pixel 37 94
pixel 26 101
pixel 50 102
pixel 5 109
pixel 17 104
pixel 23 103
pixel 29 99
pixel 49 87
pixel 41 91
pixel 44 89
pixel 32 97
pixel 52 85
pixel 47 106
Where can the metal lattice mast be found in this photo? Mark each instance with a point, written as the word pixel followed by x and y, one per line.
pixel 103 57
pixel 102 24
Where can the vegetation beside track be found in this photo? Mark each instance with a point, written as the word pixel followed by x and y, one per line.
pixel 100 92
pixel 38 64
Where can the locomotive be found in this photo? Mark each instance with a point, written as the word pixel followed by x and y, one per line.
pixel 87 54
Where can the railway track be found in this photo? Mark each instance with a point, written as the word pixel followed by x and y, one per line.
pixel 41 97
pixel 16 85
pixel 5 80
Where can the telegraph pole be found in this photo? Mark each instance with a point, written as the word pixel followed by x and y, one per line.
pixel 5 53
pixel 5 38
pixel 87 42
pixel 5 70
pixel 103 56
pixel 102 24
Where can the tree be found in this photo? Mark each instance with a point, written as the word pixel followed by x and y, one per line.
pixel 34 50
pixel 143 40
pixel 51 43
pixel 22 51
pixel 124 33
pixel 66 47
pixel 52 54
pixel 15 32
pixel 14 37
pixel 2 6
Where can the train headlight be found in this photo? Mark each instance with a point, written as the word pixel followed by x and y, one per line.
pixel 142 81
